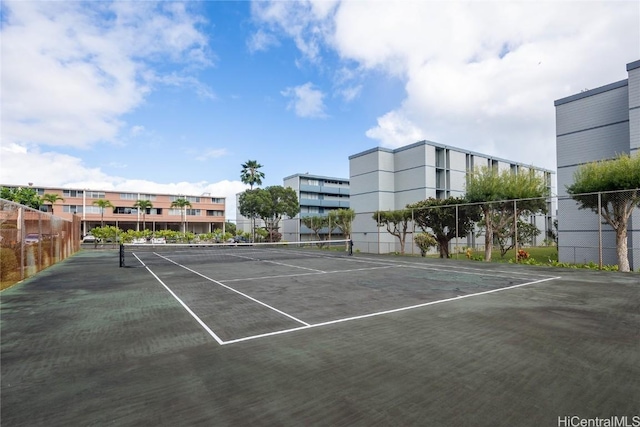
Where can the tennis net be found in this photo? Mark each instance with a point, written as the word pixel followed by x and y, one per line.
pixel 136 254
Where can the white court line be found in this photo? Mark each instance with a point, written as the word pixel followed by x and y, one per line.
pixel 186 307
pixel 278 263
pixel 307 325
pixel 364 316
pixel 233 290
pixel 308 274
pixel 454 268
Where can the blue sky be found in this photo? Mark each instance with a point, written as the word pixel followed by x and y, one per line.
pixel 173 97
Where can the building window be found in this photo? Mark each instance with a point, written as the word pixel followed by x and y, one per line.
pixel 95 194
pixel 94 210
pixel 125 210
pixel 217 200
pixel 192 199
pixel 193 212
pixel 72 193
pixel 215 213
pixel 469 162
pixel 72 209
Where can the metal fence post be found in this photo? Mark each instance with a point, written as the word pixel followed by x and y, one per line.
pixel 456 249
pixel 515 228
pixel 599 231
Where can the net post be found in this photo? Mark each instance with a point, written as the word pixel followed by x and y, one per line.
pixel 350 247
pixel 121 255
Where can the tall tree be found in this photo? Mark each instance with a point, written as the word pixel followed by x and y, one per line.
pixel 396 222
pixel 342 219
pixel 26 196
pixel 143 205
pixel 618 180
pixel 439 215
pixel 51 198
pixel 315 223
pixel 271 205
pixel 251 174
pixel 496 192
pixel 102 204
pixel 248 205
pixel 182 204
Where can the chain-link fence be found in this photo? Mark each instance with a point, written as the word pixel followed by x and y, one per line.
pixel 585 228
pixel 31 240
pixel 572 223
pixel 601 228
pixel 294 229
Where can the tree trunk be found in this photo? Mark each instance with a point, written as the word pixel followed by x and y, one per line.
pixel 621 248
pixel 488 236
pixel 443 248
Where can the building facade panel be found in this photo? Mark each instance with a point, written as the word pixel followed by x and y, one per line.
pixel 592 126
pixel 362 163
pixel 599 109
pixel 593 144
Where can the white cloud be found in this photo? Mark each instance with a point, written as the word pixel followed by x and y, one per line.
pixel 306 101
pixel 95 54
pixel 261 41
pixel 303 21
pixel 350 93
pixel 394 130
pixel 478 75
pixel 211 154
pixel 50 169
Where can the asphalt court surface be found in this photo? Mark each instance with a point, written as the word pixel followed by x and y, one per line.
pixel 87 343
pixel 279 292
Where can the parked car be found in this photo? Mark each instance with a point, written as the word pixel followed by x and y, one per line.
pixel 89 238
pixel 31 238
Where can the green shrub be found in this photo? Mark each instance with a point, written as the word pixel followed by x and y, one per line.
pixel 425 241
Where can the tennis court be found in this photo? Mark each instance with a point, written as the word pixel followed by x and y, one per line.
pixel 261 290
pixel 304 336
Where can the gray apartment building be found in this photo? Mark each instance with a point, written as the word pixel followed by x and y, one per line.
pixel 593 125
pixel 317 195
pixel 386 179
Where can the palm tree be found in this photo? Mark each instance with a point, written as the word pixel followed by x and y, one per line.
pixel 252 176
pixel 182 203
pixel 250 173
pixel 143 205
pixel 102 203
pixel 52 198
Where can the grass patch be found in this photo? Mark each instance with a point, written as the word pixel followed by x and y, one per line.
pixel 542 254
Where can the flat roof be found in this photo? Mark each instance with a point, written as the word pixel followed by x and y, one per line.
pixel 35 187
pixel 308 175
pixel 633 65
pixel 596 91
pixel 449 147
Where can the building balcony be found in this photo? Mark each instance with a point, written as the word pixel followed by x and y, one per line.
pixel 321 189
